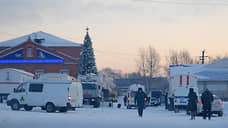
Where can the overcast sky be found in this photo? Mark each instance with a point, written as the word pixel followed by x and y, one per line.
pixel 119 28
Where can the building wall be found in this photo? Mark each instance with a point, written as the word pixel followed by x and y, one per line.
pixel 72 51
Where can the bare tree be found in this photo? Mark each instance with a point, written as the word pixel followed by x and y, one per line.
pixel 218 57
pixel 181 57
pixel 152 61
pixel 141 63
pixel 185 57
pixel 173 58
pixel 177 58
pixel 148 64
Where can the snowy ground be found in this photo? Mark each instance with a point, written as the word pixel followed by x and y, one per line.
pixel 105 117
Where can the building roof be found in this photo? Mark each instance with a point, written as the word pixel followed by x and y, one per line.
pixel 17 70
pixel 42 38
pixel 217 70
pixel 213 75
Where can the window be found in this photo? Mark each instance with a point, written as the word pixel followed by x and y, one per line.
pixel 88 86
pixel 36 88
pixel 29 52
pixel 20 88
pixel 64 71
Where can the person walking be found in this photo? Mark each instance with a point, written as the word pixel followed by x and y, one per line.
pixel 207 99
pixel 125 100
pixel 140 101
pixel 192 103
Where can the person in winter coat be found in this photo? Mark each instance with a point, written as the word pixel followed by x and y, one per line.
pixel 125 100
pixel 207 99
pixel 140 101
pixel 192 103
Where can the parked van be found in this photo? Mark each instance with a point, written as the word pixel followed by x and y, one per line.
pixel 51 92
pixel 181 97
pixel 132 90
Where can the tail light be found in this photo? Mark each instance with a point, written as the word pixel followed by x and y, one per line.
pixel 175 100
pixel 145 100
pixel 69 97
pixel 199 102
pixel 220 102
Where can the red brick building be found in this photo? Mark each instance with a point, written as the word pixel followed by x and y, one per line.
pixel 39 53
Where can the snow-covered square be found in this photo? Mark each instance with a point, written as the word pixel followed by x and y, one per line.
pixel 106 117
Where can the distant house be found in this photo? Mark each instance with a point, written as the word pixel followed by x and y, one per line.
pixel 213 76
pixel 39 53
pixel 157 83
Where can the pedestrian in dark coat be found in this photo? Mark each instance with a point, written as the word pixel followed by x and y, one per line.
pixel 207 99
pixel 192 103
pixel 140 101
pixel 125 100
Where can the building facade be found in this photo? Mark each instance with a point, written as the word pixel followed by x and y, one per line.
pixel 40 53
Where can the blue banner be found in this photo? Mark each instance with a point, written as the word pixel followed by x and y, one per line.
pixel 16 55
pixel 43 55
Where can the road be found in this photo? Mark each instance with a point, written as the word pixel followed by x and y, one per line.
pixel 106 117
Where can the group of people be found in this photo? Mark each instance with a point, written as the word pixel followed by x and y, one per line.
pixel 206 98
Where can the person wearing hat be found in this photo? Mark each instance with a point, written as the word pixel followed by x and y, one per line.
pixel 207 99
pixel 140 101
pixel 192 103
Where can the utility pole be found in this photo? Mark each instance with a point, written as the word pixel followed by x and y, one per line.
pixel 203 56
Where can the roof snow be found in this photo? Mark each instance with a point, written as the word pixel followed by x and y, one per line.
pixel 44 39
pixel 17 70
pixel 217 70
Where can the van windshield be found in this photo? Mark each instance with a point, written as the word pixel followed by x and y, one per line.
pixel 20 88
pixel 88 86
pixel 156 94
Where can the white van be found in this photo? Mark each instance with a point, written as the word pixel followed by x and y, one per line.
pixel 132 90
pixel 181 97
pixel 49 92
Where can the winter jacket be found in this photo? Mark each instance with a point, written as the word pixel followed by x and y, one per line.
pixel 192 101
pixel 140 99
pixel 207 99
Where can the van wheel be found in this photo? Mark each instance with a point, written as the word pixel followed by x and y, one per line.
pixel 43 108
pixel 63 109
pixel 96 104
pixel 50 107
pixel 28 108
pixel 15 105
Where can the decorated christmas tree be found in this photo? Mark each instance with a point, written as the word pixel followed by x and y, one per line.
pixel 87 58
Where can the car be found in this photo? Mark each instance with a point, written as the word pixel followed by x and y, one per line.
pixel 154 101
pixel 216 108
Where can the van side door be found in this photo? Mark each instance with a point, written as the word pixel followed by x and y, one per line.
pixel 35 94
